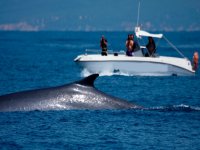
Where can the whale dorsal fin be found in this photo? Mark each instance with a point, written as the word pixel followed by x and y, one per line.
pixel 88 81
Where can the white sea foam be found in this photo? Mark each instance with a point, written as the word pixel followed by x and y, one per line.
pixel 85 73
pixel 181 107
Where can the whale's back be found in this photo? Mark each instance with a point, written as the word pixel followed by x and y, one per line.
pixel 78 95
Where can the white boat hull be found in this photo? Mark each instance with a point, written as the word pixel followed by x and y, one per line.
pixel 144 66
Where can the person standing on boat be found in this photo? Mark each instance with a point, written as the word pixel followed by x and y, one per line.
pixel 129 45
pixel 103 45
pixel 151 47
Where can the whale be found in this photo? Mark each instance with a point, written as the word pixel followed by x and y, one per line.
pixel 78 95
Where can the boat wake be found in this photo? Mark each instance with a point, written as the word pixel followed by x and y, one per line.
pixel 175 108
pixel 86 73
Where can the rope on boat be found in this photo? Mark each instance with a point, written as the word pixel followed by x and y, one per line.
pixel 174 47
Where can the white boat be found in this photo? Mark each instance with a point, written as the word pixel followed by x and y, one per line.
pixel 138 64
pixel 144 66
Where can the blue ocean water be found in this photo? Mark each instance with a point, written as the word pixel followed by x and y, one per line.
pixel 32 60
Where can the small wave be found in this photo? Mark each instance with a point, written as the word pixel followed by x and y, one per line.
pixel 178 108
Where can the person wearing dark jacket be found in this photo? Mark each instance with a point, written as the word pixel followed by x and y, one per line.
pixel 151 47
pixel 103 45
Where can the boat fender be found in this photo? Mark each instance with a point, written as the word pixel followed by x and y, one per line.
pixel 195 60
pixel 115 54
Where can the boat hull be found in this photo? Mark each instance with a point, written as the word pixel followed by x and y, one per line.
pixel 136 66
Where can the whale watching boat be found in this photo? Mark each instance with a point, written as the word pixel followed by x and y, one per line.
pixel 138 64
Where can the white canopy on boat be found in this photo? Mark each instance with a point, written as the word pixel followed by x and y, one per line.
pixel 139 33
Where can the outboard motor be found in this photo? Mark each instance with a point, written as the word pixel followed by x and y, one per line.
pixel 195 60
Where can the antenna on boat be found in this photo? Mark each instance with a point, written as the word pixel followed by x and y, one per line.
pixel 137 28
pixel 138 14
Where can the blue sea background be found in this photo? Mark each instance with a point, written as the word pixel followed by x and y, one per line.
pixel 32 60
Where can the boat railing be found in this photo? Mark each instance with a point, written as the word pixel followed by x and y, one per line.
pixel 98 51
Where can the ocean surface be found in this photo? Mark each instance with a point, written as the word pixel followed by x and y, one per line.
pixel 33 60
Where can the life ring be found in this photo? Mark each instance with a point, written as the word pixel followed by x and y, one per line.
pixel 195 60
